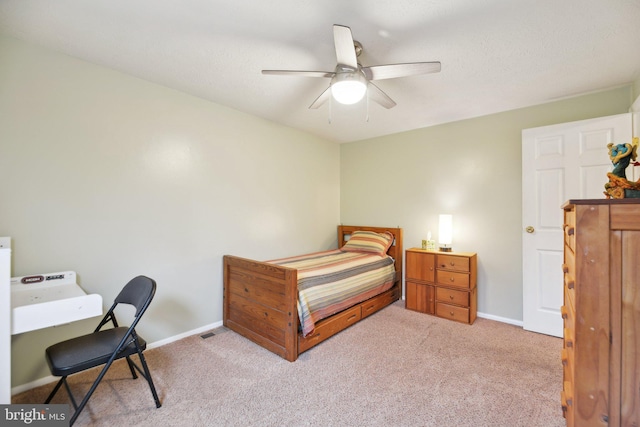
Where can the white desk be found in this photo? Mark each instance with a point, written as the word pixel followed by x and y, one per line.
pixel 36 302
pixel 51 299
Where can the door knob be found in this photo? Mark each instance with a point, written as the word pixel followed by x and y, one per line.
pixel 529 229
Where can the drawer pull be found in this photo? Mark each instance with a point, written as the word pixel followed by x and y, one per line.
pixel 569 230
pixel 451 297
pixel 568 280
pixel 568 393
pixel 452 279
pixel 451 313
pixel 565 268
pixel 564 311
pixel 568 338
pixel 452 264
pixel 564 357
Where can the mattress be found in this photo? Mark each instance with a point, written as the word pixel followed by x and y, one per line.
pixel 332 281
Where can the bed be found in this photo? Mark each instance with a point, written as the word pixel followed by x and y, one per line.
pixel 261 298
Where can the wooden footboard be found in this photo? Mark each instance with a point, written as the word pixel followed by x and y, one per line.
pixel 260 301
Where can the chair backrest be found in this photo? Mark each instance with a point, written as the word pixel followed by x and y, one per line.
pixel 138 292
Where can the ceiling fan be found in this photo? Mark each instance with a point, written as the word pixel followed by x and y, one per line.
pixel 350 81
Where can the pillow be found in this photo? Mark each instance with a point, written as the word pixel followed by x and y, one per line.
pixel 369 242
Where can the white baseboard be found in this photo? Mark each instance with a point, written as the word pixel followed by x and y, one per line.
pixel 184 335
pixel 500 319
pixel 33 384
pixel 49 379
pixel 496 318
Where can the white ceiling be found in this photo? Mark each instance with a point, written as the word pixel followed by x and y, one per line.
pixel 496 55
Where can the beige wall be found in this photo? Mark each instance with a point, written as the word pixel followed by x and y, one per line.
pixel 471 169
pixel 112 177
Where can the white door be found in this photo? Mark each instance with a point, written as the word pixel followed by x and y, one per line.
pixel 559 162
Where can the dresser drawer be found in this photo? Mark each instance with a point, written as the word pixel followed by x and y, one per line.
pixel 451 278
pixel 566 400
pixel 567 356
pixel 568 316
pixel 570 299
pixel 452 312
pixel 452 262
pixel 569 265
pixel 452 296
pixel 569 228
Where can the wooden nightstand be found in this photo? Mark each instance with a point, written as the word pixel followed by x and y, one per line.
pixel 442 284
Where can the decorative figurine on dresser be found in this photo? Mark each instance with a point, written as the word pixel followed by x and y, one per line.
pixel 601 312
pixel 621 156
pixel 442 284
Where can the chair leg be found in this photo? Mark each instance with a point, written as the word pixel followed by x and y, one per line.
pixel 133 371
pixel 90 392
pixel 147 375
pixel 73 400
pixel 54 391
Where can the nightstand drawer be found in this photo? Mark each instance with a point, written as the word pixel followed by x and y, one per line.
pixel 452 296
pixel 452 312
pixel 456 263
pixel 451 278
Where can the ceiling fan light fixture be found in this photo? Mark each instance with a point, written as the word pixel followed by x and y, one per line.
pixel 348 88
pixel 350 81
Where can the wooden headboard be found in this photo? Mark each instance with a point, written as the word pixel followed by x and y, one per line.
pixel 395 250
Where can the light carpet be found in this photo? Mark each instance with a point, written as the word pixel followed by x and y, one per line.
pixel 397 367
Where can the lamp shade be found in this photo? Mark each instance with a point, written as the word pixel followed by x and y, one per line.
pixel 348 88
pixel 445 229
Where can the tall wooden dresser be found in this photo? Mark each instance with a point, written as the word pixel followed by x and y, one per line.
pixel 601 311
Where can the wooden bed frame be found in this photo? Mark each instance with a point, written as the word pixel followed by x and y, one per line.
pixel 260 301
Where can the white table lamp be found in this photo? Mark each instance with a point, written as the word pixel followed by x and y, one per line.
pixel 445 232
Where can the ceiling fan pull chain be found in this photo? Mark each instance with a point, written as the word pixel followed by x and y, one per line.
pixel 330 109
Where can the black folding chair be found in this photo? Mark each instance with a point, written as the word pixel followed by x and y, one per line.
pixel 105 346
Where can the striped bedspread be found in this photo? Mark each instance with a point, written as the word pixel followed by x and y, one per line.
pixel 331 281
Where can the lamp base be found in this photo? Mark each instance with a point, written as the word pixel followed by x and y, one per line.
pixel 445 248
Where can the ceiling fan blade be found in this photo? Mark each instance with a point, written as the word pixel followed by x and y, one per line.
pixel 345 49
pixel 322 99
pixel 377 95
pixel 299 73
pixel 391 71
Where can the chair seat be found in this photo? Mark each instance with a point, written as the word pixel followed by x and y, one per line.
pixel 88 351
